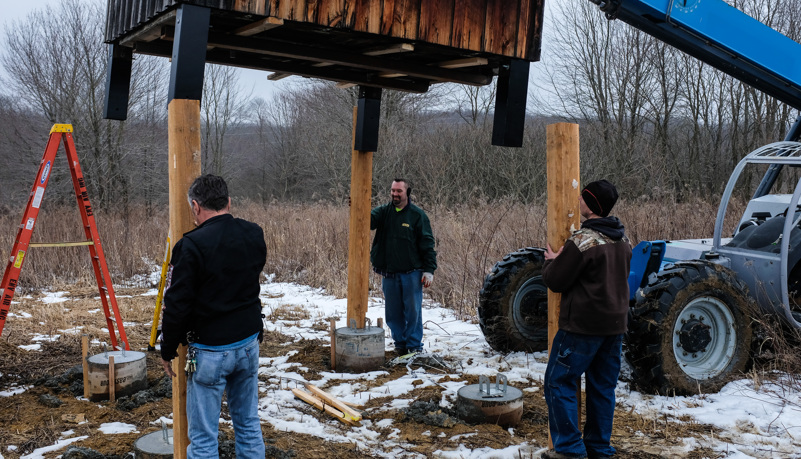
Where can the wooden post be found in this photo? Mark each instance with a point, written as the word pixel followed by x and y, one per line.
pixel 183 126
pixel 361 185
pixel 112 390
pixel 564 186
pixel 85 364
pixel 333 345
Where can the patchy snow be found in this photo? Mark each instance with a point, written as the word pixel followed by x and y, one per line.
pixel 755 421
pixel 13 390
pixel 20 314
pixel 39 453
pixel 110 428
pixel 38 338
pixel 31 347
pixel 54 297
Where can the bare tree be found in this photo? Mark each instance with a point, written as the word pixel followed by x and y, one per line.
pixel 222 109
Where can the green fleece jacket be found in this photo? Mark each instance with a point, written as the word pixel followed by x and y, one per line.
pixel 403 240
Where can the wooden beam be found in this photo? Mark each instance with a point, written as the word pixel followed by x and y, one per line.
pixel 278 76
pixel 337 74
pixel 455 64
pixel 359 61
pixel 345 85
pixel 183 144
pixel 391 49
pixel 259 26
pixel 563 217
pixel 150 31
pixel 462 63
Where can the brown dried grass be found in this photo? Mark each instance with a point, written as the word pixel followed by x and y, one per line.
pixel 308 243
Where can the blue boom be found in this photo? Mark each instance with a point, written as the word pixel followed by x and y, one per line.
pixel 721 36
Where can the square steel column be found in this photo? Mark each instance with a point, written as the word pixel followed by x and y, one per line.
pixel 510 104
pixel 189 53
pixel 118 82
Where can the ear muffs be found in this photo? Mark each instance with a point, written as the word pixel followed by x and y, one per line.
pixel 408 191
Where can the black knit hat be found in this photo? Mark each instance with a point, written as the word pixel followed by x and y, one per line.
pixel 600 197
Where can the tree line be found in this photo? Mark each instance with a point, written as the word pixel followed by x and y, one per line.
pixel 653 120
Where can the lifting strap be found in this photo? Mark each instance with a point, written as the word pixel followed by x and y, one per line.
pixel 22 243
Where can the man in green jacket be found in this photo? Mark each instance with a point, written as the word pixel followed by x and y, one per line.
pixel 403 253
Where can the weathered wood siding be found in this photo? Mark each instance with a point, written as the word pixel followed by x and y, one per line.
pixel 504 27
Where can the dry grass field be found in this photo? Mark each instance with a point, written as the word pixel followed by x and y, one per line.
pixel 307 243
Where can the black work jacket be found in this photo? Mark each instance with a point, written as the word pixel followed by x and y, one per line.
pixel 213 292
pixel 403 240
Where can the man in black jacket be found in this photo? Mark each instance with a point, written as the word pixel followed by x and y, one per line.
pixel 403 253
pixel 591 272
pixel 212 303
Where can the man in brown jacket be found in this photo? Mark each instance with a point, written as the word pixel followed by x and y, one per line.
pixel 591 271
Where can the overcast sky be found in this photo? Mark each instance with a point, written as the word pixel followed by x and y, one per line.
pixel 255 79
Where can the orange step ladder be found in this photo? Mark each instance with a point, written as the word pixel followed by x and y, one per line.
pixel 22 244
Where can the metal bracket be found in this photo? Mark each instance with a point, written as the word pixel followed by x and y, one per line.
pixel 485 388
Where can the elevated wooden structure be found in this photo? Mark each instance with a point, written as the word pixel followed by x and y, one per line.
pixel 405 45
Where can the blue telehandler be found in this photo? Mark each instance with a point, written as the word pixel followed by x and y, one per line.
pixel 692 301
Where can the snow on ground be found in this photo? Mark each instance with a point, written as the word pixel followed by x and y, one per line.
pixel 755 421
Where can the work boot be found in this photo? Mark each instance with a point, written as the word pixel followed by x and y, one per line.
pixel 552 454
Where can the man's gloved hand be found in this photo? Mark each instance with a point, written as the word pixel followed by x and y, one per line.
pixel 427 279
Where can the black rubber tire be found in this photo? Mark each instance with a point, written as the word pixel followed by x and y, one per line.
pixel 708 349
pixel 513 304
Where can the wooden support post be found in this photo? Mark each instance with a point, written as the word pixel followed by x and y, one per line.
pixel 361 184
pixel 183 126
pixel 85 364
pixel 564 186
pixel 333 345
pixel 112 389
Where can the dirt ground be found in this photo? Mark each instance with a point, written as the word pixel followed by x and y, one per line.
pixel 38 416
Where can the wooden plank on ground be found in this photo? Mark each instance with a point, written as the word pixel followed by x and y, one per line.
pixel 328 398
pixel 317 403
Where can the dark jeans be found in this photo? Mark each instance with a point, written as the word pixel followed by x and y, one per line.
pixel 571 356
pixel 403 296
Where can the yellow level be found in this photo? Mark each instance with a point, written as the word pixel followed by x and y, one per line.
pixel 60 244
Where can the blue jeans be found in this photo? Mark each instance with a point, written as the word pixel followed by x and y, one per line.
pixel 403 295
pixel 235 371
pixel 571 356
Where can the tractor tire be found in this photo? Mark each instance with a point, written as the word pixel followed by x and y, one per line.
pixel 690 330
pixel 513 304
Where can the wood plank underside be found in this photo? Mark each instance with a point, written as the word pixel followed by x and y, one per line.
pixel 509 28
